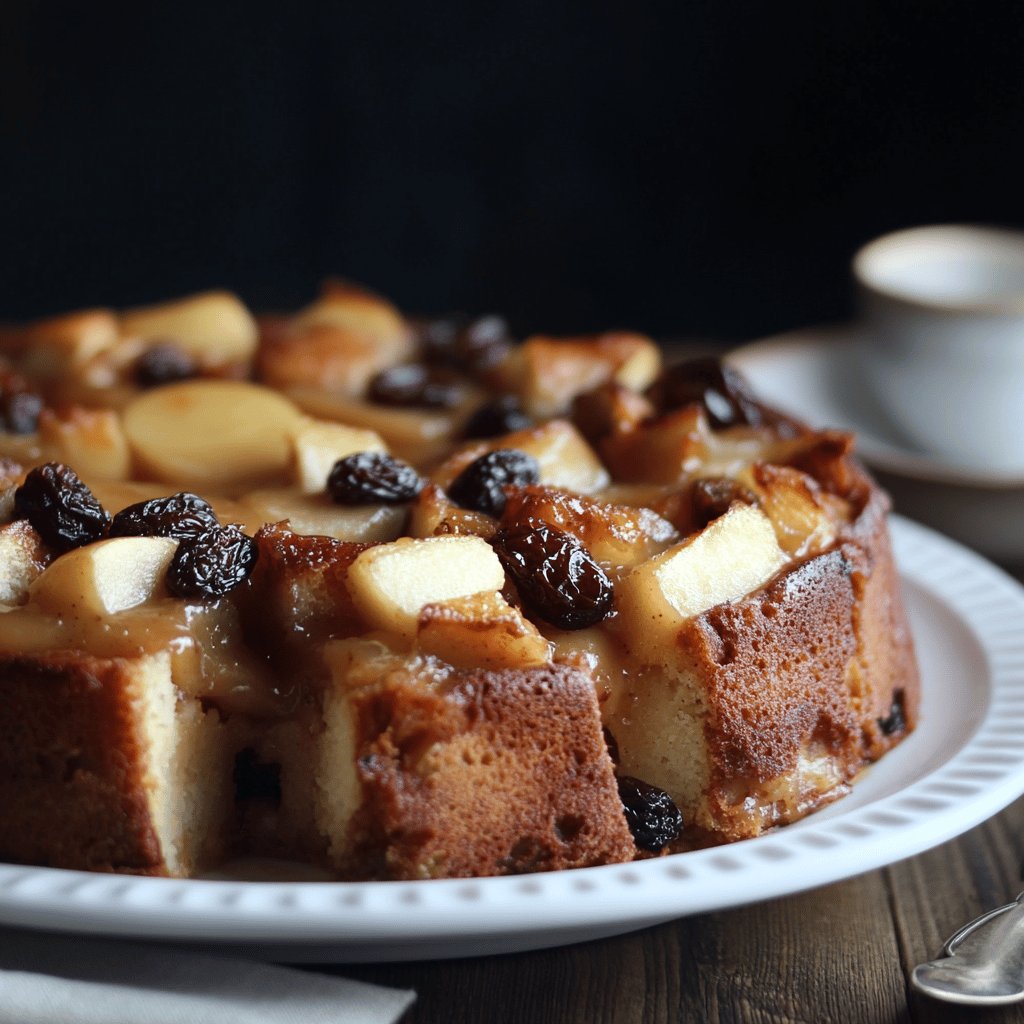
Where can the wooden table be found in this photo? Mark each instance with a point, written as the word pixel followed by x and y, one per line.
pixel 838 955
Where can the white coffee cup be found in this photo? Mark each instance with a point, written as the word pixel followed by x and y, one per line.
pixel 944 312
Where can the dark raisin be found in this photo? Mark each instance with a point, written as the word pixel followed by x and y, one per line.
pixel 372 478
pixel 895 723
pixel 180 515
pixel 483 343
pixel 476 345
pixel 557 578
pixel 651 814
pixel 500 416
pixel 480 486
pixel 437 338
pixel 60 507
pixel 164 363
pixel 416 385
pixel 712 496
pixel 212 563
pixel 19 412
pixel 20 406
pixel 724 394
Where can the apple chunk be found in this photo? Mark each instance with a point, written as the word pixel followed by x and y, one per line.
pixel 214 327
pixel 391 584
pixel 481 631
pixel 92 440
pixel 105 578
pixel 728 559
pixel 319 444
pixel 317 514
pixel 212 434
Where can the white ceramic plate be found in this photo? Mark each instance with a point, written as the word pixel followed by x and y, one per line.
pixel 818 376
pixel 964 763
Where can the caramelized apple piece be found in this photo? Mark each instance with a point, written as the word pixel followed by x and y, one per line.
pixel 730 558
pixel 806 518
pixel 662 451
pixel 548 373
pixel 299 585
pixel 416 435
pixel 317 514
pixel 347 305
pixel 433 515
pixel 105 578
pixel 480 631
pixel 212 435
pixel 565 458
pixel 392 583
pixel 23 557
pixel 317 445
pixel 215 328
pixel 337 344
pixel 63 344
pixel 91 440
pixel 610 409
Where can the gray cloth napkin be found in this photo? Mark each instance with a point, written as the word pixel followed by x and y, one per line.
pixel 59 979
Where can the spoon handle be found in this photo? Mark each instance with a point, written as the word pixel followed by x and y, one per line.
pixel 957 938
pixel 987 971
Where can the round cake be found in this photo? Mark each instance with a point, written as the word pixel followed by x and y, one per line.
pixel 406 599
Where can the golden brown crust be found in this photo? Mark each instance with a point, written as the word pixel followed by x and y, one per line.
pixel 774 668
pixel 886 672
pixel 72 783
pixel 441 766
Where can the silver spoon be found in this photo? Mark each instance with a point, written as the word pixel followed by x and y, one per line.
pixel 988 971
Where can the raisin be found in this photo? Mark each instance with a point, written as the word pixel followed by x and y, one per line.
pixel 212 563
pixel 19 412
pixel 164 363
pixel 416 385
pixel 724 394
pixel 896 722
pixel 180 515
pixel 500 416
pixel 60 507
pixel 437 338
pixel 712 496
pixel 651 814
pixel 476 345
pixel 20 406
pixel 372 478
pixel 557 578
pixel 480 486
pixel 483 343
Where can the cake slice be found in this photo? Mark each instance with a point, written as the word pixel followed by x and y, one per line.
pixel 431 772
pixel 105 767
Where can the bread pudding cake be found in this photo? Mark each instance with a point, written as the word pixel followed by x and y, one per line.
pixel 407 599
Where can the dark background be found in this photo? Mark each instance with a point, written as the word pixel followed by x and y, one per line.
pixel 689 168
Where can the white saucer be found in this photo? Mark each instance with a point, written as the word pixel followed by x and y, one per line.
pixel 817 375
